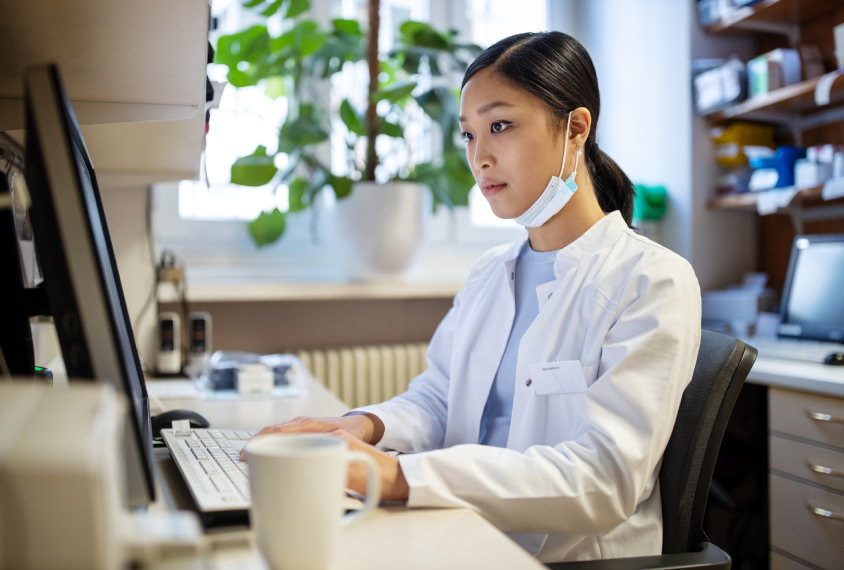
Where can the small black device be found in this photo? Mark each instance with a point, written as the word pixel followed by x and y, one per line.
pixel 165 419
pixel 812 304
pixel 835 359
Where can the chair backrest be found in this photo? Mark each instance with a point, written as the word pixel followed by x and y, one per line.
pixel 689 460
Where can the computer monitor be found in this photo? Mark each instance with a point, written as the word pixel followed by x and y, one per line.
pixel 812 304
pixel 81 280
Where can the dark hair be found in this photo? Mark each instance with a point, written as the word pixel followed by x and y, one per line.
pixel 557 69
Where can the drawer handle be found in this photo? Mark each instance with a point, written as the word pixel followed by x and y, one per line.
pixel 824 470
pixel 821 417
pixel 819 512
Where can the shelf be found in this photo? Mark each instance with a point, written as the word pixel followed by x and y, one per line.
pixel 773 16
pixel 747 202
pixel 321 291
pixel 135 75
pixel 797 99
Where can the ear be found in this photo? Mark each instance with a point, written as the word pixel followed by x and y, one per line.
pixel 581 124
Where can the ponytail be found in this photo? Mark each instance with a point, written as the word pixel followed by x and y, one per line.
pixel 557 69
pixel 613 188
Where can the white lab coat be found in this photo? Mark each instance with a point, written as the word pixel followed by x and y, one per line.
pixel 618 333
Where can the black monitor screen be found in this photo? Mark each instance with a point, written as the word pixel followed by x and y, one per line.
pixel 813 303
pixel 80 271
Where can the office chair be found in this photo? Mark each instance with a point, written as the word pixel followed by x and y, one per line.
pixel 722 365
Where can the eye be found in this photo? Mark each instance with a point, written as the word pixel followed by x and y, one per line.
pixel 466 137
pixel 499 126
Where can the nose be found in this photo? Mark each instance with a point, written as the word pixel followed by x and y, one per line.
pixel 482 157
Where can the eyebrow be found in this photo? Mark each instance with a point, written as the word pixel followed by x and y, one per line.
pixel 488 107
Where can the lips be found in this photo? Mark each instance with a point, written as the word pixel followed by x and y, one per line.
pixel 491 187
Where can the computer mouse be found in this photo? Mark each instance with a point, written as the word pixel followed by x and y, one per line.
pixel 165 419
pixel 835 359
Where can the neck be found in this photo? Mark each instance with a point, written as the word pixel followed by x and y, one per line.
pixel 578 215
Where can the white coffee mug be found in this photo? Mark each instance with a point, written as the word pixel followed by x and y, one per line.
pixel 298 490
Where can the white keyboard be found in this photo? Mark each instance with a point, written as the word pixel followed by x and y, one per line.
pixel 209 461
pixel 792 349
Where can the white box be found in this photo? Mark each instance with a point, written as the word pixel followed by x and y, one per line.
pixel 810 174
pixel 255 379
pixel 839 44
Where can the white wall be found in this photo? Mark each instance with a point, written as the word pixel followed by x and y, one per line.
pixel 125 210
pixel 642 52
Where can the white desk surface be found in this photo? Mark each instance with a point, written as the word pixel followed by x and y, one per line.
pixel 393 537
pixel 795 375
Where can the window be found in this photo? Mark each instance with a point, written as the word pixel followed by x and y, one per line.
pixel 208 216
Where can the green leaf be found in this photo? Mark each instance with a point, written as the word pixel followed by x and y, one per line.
pixel 350 27
pixel 275 87
pixel 297 7
pixel 252 3
pixel 256 169
pixel 272 8
pixel 351 119
pixel 391 129
pixel 342 186
pixel 296 193
pixel 304 131
pixel 432 103
pixel 267 227
pixel 249 45
pixel 421 34
pixel 394 92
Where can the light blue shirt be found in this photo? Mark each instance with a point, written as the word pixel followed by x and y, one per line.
pixel 533 269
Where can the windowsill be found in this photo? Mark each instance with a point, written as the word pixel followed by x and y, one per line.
pixel 436 273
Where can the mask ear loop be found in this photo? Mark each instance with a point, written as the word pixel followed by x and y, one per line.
pixel 565 149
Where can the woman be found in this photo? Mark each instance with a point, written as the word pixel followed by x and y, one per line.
pixel 555 379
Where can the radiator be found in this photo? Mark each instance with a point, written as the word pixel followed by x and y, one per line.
pixel 365 375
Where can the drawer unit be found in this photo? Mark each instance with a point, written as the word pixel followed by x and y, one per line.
pixel 816 418
pixel 780 562
pixel 807 522
pixel 816 464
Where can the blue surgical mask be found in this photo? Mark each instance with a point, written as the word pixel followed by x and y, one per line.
pixel 556 194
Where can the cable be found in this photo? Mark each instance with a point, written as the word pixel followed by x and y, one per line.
pixel 151 244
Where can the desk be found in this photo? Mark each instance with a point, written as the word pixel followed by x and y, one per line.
pixel 393 537
pixel 799 538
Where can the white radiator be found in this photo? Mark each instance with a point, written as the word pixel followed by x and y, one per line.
pixel 365 375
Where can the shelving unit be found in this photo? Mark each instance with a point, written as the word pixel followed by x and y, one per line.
pixel 794 101
pixel 134 72
pixel 773 16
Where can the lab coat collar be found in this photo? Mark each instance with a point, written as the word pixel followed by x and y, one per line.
pixel 603 233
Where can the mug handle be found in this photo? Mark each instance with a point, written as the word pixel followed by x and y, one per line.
pixel 373 487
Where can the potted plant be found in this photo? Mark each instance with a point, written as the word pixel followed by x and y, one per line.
pixel 372 200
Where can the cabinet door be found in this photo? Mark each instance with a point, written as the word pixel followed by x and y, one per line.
pixel 812 417
pixel 810 462
pixel 796 529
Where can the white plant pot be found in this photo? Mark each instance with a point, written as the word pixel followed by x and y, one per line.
pixel 375 231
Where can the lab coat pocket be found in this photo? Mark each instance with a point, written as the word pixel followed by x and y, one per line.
pixel 561 377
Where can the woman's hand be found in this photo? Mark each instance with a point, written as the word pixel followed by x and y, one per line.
pixel 394 486
pixel 364 427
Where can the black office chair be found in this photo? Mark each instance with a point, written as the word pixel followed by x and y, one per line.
pixel 722 365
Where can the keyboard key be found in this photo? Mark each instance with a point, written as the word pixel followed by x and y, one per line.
pixel 192 443
pixel 201 433
pixel 209 468
pixel 220 483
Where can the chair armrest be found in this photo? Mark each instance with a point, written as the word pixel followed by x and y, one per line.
pixel 704 556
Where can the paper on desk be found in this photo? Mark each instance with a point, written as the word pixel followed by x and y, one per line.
pixel 823 88
pixel 769 201
pixel 172 389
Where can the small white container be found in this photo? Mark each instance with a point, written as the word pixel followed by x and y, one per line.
pixel 809 174
pixel 254 379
